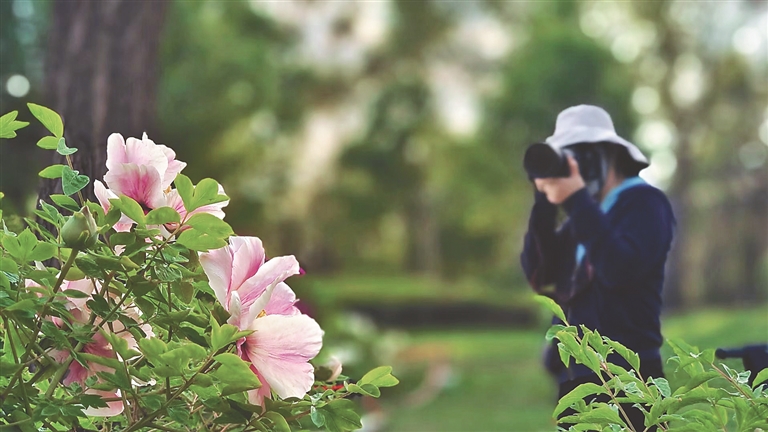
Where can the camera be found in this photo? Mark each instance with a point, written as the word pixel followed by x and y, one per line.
pixel 542 160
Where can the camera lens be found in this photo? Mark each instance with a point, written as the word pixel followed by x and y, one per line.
pixel 542 161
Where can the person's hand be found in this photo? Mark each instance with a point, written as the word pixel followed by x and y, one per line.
pixel 559 189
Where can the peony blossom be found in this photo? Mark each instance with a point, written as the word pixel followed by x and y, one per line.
pixel 252 290
pixel 144 171
pixel 140 169
pixel 97 346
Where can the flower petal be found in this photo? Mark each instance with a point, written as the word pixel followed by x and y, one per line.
pixel 248 257
pixel 139 182
pixel 104 195
pixel 281 348
pixel 234 309
pixel 256 397
pixel 113 408
pixel 174 166
pixel 271 273
pixel 115 151
pixel 282 301
pixel 217 265
pixel 146 152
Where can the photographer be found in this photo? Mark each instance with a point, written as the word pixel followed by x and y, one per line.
pixel 606 261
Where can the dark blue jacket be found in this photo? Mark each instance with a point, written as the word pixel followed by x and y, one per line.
pixel 616 288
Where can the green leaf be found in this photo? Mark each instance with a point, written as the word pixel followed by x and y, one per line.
pixel 122 238
pixel 365 389
pixel 577 394
pixel 316 416
pixel 200 241
pixel 222 336
pixel 203 380
pixel 130 208
pixel 104 361
pixel 8 265
pixel 119 378
pixel 205 193
pixel 48 118
pixel 62 149
pixel 22 247
pixel 340 416
pixel 73 293
pixel 9 125
pixel 663 386
pixel 565 355
pixel 42 251
pixel 26 304
pixel 13 247
pixel 186 292
pixel 64 201
pixel 185 189
pixel 552 306
pixel 72 181
pixel 379 377
pixel 278 421
pixel 602 415
pixel 120 345
pixel 210 224
pixel 147 307
pixel 760 377
pixel 48 143
pixel 52 172
pixel 179 358
pixel 234 370
pixel 162 215
pixel 152 348
pixel 632 358
pixel 552 332
pixel 235 388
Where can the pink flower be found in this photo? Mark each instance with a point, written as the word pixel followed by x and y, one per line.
pixel 144 171
pixel 104 195
pixel 140 169
pixel 97 346
pixel 252 290
pixel 173 200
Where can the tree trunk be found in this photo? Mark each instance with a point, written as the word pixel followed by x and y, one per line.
pixel 101 75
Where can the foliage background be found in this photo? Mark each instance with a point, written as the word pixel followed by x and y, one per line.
pixel 380 142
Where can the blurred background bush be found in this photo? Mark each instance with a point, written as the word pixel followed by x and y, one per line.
pixel 381 143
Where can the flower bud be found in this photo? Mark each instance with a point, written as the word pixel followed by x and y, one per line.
pixel 80 231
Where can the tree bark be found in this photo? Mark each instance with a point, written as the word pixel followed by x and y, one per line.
pixel 101 76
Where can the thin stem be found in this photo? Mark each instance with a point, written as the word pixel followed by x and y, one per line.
pixel 65 270
pixel 61 371
pixel 11 426
pixel 611 375
pixel 161 427
pixel 735 384
pixel 62 274
pixel 610 393
pixel 613 398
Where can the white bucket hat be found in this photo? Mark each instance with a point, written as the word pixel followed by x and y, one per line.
pixel 590 124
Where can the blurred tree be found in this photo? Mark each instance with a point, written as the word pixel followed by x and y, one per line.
pixel 718 190
pixel 101 75
pixel 557 67
pixel 227 98
pixel 383 181
pixel 22 27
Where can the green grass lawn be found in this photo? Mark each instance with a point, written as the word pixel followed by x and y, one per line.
pixel 387 289
pixel 497 382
